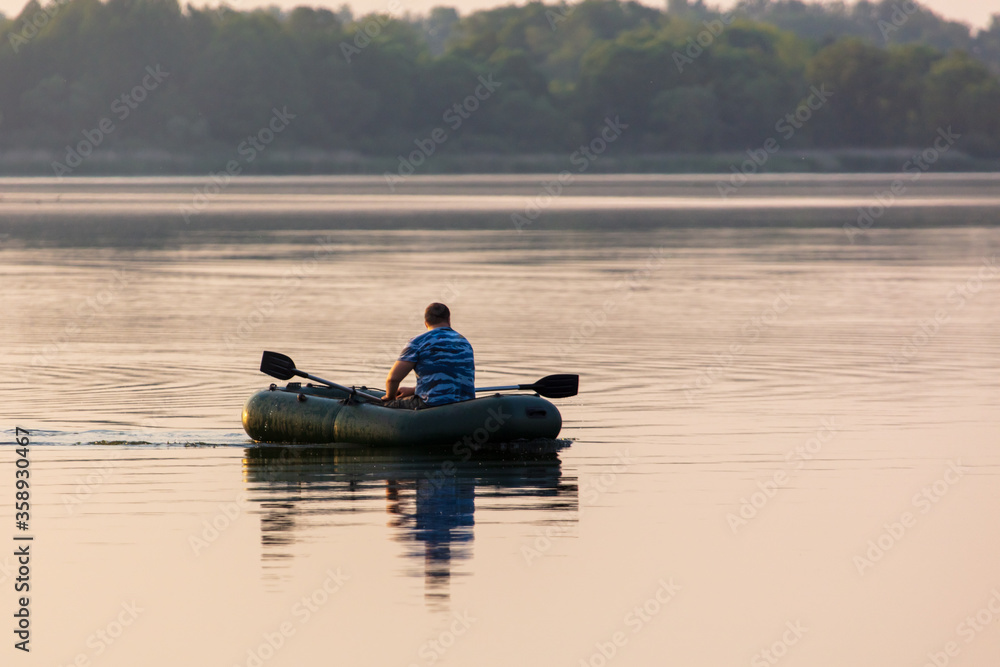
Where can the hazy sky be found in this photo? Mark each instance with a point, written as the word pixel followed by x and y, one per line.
pixel 974 12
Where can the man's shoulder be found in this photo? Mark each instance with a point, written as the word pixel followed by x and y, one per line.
pixel 444 333
pixel 450 336
pixel 442 338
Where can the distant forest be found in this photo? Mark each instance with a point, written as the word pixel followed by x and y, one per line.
pixel 132 75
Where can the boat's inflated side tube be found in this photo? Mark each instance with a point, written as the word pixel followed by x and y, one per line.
pixel 322 416
pixel 280 415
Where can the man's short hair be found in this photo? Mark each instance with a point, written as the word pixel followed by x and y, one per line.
pixel 437 313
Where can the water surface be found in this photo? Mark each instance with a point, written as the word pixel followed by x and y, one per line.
pixel 765 401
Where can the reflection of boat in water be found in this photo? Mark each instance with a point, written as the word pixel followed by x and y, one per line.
pixel 430 497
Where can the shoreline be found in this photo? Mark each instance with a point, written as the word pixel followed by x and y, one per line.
pixel 22 162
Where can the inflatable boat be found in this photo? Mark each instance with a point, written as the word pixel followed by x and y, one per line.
pixel 332 413
pixel 312 414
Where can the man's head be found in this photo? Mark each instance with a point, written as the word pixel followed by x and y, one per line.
pixel 436 315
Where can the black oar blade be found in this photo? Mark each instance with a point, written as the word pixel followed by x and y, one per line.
pixel 277 365
pixel 556 386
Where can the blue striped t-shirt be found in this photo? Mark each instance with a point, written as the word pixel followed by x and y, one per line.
pixel 445 367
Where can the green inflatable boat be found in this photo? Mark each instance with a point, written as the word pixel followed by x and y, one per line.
pixel 310 414
pixel 332 413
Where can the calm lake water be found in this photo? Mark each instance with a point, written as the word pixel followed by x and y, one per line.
pixel 784 450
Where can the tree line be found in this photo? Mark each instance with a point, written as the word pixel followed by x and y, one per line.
pixel 78 74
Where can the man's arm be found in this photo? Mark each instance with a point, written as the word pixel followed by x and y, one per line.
pixel 399 370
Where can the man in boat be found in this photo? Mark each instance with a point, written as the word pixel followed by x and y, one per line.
pixel 443 361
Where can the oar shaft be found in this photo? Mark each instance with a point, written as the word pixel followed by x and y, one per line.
pixel 507 388
pixel 334 385
pixel 308 376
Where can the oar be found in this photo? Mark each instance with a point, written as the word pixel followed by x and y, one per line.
pixel 281 366
pixel 550 386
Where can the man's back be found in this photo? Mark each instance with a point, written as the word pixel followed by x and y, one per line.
pixel 445 366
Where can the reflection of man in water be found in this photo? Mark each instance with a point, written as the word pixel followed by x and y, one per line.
pixel 443 361
pixel 443 521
